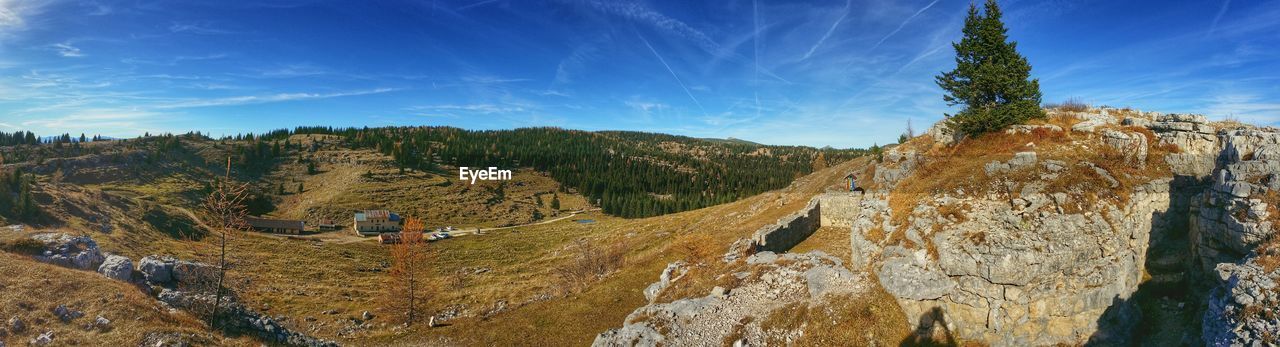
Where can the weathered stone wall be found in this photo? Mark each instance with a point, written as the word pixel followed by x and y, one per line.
pixel 839 209
pixel 790 230
pixel 1229 221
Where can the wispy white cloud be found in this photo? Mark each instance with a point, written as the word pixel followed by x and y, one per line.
pixel 903 24
pixel 476 4
pixel 197 29
pixel 67 50
pixel 14 15
pixel 262 99
pixel 468 108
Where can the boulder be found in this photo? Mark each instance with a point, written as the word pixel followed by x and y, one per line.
pixel 117 267
pixel 156 269
pixel 102 323
pixel 16 325
pixel 1132 145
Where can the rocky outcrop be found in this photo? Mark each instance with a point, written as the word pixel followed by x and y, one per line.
pixel 1232 221
pixel 1245 309
pixel 1233 216
pixel 673 272
pixel 79 252
pixel 236 317
pixel 776 281
pixel 1198 146
pixel 1023 274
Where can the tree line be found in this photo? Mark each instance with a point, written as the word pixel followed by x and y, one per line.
pixel 629 174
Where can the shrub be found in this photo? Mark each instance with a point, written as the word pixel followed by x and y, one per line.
pixel 589 263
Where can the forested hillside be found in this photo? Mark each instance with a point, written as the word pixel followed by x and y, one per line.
pixel 630 174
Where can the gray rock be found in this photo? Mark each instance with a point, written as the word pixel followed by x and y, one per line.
pixel 1132 145
pixel 910 277
pixel 707 321
pixel 102 323
pixel 42 340
pixel 16 325
pixel 1185 118
pixel 157 269
pixel 674 271
pixel 79 252
pixel 66 314
pixel 117 267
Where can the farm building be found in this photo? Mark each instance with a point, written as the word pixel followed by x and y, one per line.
pixel 374 222
pixel 280 226
pixel 327 224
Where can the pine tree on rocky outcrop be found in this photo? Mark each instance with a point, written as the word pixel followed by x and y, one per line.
pixel 991 80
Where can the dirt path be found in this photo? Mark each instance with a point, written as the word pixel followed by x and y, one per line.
pixel 347 237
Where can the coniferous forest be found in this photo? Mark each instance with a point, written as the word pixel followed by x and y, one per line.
pixel 628 174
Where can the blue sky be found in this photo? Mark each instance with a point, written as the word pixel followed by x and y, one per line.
pixel 838 73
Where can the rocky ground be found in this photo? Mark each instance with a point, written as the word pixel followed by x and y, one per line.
pixel 738 315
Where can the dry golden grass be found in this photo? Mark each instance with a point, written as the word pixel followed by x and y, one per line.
pixel 32 289
pixel 831 240
pixel 866 319
pixel 512 269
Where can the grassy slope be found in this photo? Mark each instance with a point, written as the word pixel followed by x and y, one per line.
pixel 41 287
pixel 576 319
pixel 301 277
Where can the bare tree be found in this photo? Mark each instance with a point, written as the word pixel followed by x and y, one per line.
pixel 226 211
pixel 407 290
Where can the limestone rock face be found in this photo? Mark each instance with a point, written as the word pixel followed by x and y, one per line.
pixel 1196 140
pixel 1026 274
pixel 1231 217
pixel 707 321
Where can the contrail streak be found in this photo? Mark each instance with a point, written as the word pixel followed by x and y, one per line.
pixel 830 30
pixel 1213 27
pixel 673 74
pixel 904 24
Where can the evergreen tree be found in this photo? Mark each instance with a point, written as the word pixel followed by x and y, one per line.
pixel 555 202
pixel 299 187
pixel 991 80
